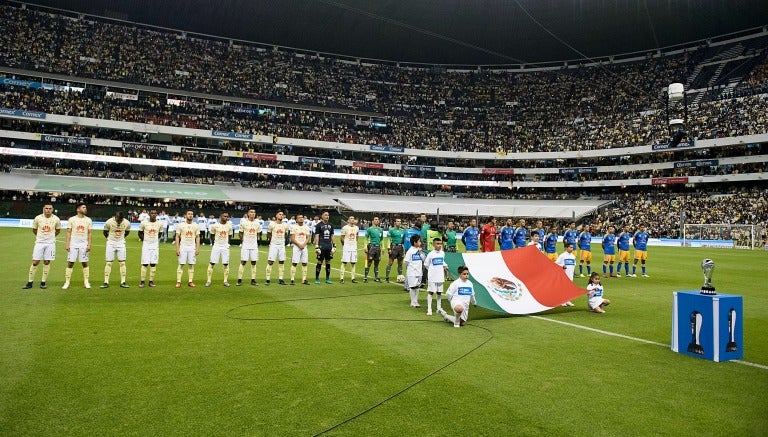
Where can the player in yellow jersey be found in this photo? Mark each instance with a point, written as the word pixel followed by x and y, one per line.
pixel 276 233
pixel 300 254
pixel 187 247
pixel 115 231
pixel 46 227
pixel 220 250
pixel 250 229
pixel 78 244
pixel 349 250
pixel 149 234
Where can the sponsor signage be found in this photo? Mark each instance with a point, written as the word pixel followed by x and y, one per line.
pixel 200 151
pixel 145 147
pixel 698 163
pixel 227 134
pixel 390 149
pixel 498 171
pixel 666 146
pixel 260 156
pixel 419 168
pixel 61 139
pixel 578 170
pixel 363 164
pixel 124 96
pixel 312 160
pixel 669 181
pixel 22 113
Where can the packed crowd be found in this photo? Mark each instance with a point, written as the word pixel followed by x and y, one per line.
pixel 572 109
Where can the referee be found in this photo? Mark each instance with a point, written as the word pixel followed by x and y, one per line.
pixel 374 235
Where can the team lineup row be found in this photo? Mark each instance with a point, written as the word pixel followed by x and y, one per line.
pixel 299 236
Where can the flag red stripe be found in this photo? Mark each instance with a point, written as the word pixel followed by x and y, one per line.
pixel 545 280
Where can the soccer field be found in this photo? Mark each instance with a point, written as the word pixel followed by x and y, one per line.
pixel 355 359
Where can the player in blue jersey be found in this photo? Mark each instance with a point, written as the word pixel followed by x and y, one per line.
pixel 471 237
pixel 506 235
pixel 640 241
pixel 413 230
pixel 585 251
pixel 550 244
pixel 609 251
pixel 570 235
pixel 623 244
pixel 521 235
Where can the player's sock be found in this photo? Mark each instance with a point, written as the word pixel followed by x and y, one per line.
pixel 178 273
pixel 210 272
pixel 414 295
pixel 438 300
pixel 353 273
pixel 367 269
pixel 122 271
pixel 318 267
pixel 626 269
pixel 269 271
pixel 86 274
pixel 610 268
pixel 589 269
pixel 643 269
pixel 32 271
pixel 399 270
pixel 280 271
pixel 618 267
pixel 68 274
pixel 226 273
pixel 581 269
pixel 448 318
pixel 240 271
pixel 152 271
pixel 389 269
pixel 293 272
pixel 342 268
pixel 304 272
pixel 327 272
pixel 107 271
pixel 605 268
pixel 376 269
pixel 253 272
pixel 143 272
pixel 191 272
pixel 429 302
pixel 46 269
pixel 634 269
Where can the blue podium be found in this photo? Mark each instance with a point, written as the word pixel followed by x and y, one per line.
pixel 708 326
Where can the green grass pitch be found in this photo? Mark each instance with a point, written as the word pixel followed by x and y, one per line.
pixel 355 359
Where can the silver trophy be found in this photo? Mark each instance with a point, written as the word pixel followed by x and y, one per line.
pixel 707 267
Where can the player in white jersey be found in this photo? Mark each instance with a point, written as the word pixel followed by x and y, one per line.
pixel 78 244
pixel 163 218
pixel 211 221
pixel 567 260
pixel 250 229
pixel 115 231
pixel 300 235
pixel 460 294
pixel 202 224
pixel 437 269
pixel 46 227
pixel 349 250
pixel 143 216
pixel 276 236
pixel 149 234
pixel 220 251
pixel 187 247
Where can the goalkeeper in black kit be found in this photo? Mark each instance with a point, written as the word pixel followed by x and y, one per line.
pixel 324 247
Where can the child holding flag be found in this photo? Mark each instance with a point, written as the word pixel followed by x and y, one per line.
pixel 414 262
pixel 595 299
pixel 460 293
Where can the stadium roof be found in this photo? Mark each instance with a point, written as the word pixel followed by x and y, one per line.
pixel 447 31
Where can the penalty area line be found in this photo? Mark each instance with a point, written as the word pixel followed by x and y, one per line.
pixel 628 337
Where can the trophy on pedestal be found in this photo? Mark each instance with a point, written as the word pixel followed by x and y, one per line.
pixel 707 267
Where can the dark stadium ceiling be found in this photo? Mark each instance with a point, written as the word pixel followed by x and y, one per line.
pixel 447 31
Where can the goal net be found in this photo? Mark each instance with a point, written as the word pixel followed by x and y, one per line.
pixel 722 235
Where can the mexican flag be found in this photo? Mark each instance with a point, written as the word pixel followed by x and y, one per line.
pixel 517 281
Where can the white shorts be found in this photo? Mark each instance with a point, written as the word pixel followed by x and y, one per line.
pixel 594 302
pixel 44 251
pixel 349 256
pixel 434 287
pixel 249 254
pixel 464 314
pixel 218 252
pixel 113 249
pixel 412 281
pixel 149 255
pixel 187 255
pixel 276 253
pixel 78 253
pixel 300 255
